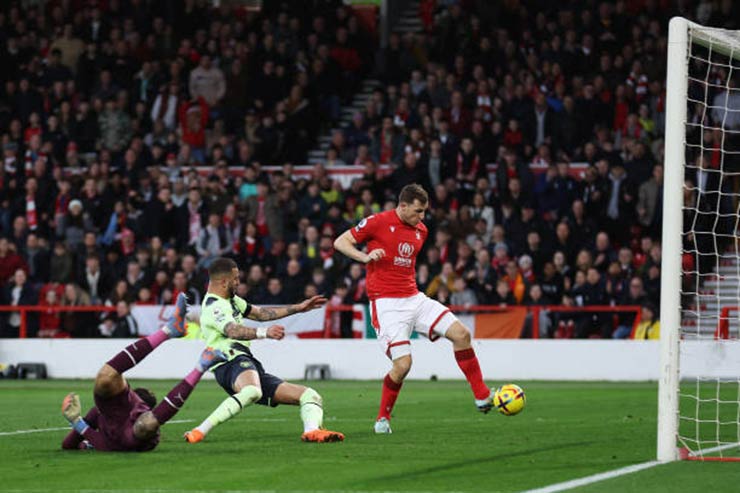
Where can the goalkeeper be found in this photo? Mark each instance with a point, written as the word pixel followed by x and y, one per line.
pixel 243 376
pixel 128 420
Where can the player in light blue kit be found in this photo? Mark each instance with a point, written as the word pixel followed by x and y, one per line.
pixel 242 375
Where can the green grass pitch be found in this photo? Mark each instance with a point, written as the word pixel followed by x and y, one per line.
pixel 439 443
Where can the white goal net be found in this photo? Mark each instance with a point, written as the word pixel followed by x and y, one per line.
pixel 706 141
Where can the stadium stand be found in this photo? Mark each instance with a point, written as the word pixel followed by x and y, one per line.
pixel 141 140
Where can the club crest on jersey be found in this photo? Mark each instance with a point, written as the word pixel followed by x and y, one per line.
pixel 405 251
pixel 418 235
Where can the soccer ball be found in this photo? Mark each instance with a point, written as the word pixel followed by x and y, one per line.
pixel 509 399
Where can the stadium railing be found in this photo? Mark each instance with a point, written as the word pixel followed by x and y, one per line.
pixel 534 311
pixel 23 310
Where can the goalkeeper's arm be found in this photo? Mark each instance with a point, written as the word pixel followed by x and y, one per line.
pixel 71 411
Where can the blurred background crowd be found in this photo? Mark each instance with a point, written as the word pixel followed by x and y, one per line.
pixel 136 136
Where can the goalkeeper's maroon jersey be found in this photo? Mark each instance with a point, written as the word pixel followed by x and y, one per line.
pixel 111 425
pixel 117 417
pixel 393 276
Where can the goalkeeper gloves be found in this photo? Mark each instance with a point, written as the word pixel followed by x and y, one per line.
pixel 71 410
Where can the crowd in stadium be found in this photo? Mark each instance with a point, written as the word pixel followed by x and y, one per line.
pixel 135 135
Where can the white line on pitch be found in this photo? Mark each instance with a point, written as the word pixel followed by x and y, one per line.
pixel 43 430
pixel 595 478
pixel 260 420
pixel 23 432
pixel 712 450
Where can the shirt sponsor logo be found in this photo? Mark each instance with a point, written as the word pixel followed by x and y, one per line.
pixel 405 250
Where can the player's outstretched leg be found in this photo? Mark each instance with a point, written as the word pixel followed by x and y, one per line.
pixel 172 403
pixel 110 381
pixel 312 415
pixel 392 384
pixel 248 390
pixel 468 363
pixel 311 410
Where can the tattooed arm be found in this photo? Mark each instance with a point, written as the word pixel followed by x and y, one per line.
pixel 243 333
pixel 263 314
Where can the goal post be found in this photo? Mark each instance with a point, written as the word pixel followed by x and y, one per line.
pixel 699 414
pixel 670 282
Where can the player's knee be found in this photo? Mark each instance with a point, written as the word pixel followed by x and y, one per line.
pixel 310 396
pixel 146 426
pixel 465 336
pixel 458 333
pixel 106 382
pixel 249 395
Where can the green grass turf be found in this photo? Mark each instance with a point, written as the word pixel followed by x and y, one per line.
pixel 440 443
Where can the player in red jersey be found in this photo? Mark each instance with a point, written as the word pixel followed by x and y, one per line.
pixel 394 239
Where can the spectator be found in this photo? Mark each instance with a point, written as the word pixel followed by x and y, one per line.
pixel 10 261
pixel 180 285
pixel 635 295
pixel 77 323
pixel 124 323
pixel 593 293
pixel 650 202
pixel 265 212
pixel 115 126
pixel 37 258
pixel 293 282
pixel 160 216
pixel 274 294
pixel 50 322
pixel 445 278
pixel 535 298
pixel 18 292
pixel 356 285
pixel 61 264
pixel 649 326
pixel 620 202
pixel 312 206
pixel 214 241
pixel 422 277
pixel 165 106
pixel 341 320
pixel 387 143
pixel 604 253
pixel 514 278
pixel 462 295
pixel 207 82
pixel 539 124
pixel 503 296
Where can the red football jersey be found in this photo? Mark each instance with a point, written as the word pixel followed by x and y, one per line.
pixel 393 276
